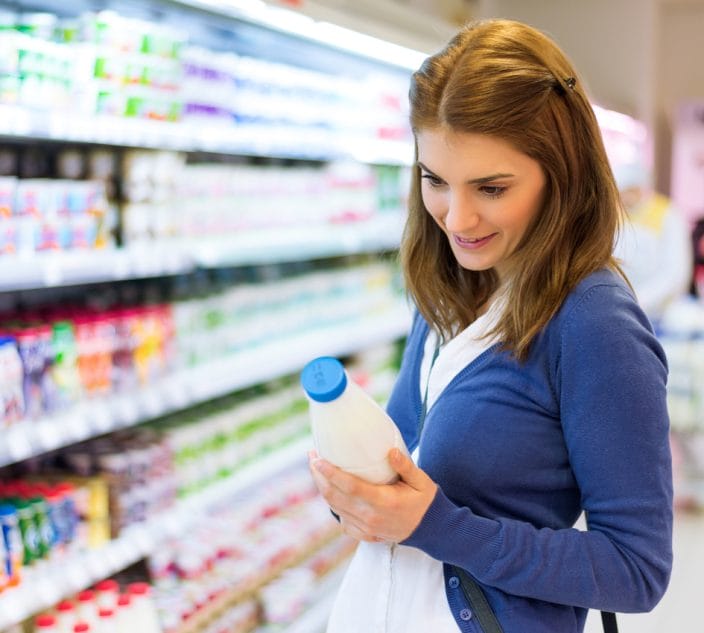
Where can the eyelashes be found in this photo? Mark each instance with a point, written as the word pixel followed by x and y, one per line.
pixel 490 191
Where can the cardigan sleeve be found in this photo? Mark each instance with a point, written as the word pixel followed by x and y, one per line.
pixel 610 377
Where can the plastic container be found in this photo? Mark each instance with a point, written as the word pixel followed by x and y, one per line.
pixel 13 548
pixel 46 624
pixel 11 382
pixel 143 609
pixel 350 429
pixel 106 593
pixel 87 609
pixel 66 616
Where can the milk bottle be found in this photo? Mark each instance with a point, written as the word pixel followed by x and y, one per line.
pixel 349 428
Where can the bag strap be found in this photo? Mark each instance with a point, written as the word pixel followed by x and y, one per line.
pixel 477 602
pixel 608 621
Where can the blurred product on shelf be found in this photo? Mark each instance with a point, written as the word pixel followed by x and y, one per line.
pixel 698 250
pixel 167 198
pixel 104 64
pixel 682 336
pixel 69 353
pixel 243 547
pixel 38 214
pixel 107 608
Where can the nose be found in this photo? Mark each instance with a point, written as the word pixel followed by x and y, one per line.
pixel 461 214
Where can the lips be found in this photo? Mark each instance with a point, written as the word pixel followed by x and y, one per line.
pixel 473 242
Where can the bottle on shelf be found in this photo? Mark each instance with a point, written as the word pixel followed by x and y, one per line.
pixel 65 613
pixel 106 593
pixel 46 623
pixel 350 429
pixel 125 615
pixel 11 548
pixel 107 622
pixel 144 609
pixel 87 608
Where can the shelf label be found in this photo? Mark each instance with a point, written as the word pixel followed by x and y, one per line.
pixel 49 432
pixel 19 446
pixel 126 411
pixel 101 416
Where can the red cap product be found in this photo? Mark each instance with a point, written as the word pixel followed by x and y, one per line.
pixel 45 621
pixel 86 596
pixel 139 588
pixel 81 627
pixel 65 606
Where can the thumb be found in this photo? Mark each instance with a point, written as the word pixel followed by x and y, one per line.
pixel 404 466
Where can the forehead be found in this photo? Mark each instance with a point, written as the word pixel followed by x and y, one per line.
pixel 448 150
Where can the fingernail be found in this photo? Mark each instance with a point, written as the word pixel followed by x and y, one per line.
pixel 321 466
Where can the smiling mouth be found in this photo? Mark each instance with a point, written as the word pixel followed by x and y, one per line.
pixel 473 241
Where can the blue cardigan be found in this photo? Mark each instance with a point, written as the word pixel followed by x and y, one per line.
pixel 520 450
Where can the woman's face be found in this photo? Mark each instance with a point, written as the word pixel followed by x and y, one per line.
pixel 482 192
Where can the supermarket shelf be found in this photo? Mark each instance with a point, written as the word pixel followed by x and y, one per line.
pixel 315 618
pixel 53 581
pixel 20 122
pixel 53 269
pixel 273 244
pixel 172 257
pixel 199 384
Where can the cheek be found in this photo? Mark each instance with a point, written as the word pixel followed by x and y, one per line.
pixel 434 202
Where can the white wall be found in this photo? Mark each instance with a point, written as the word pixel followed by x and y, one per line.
pixel 680 73
pixel 638 56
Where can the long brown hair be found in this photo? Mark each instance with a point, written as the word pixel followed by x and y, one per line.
pixel 508 80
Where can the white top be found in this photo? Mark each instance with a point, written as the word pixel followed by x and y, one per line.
pixel 389 588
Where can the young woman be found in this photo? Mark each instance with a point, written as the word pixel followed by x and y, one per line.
pixel 532 389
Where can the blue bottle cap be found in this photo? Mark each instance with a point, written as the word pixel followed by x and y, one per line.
pixel 324 379
pixel 7 510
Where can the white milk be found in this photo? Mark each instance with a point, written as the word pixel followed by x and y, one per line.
pixel 350 429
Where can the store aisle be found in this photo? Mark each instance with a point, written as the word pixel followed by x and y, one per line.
pixel 680 609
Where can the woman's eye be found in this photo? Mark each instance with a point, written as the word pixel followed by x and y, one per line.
pixel 433 181
pixel 492 191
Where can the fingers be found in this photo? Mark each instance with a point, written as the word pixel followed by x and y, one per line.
pixel 343 504
pixel 358 532
pixel 407 470
pixel 346 483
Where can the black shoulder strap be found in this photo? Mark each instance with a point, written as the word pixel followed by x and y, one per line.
pixel 608 620
pixel 477 602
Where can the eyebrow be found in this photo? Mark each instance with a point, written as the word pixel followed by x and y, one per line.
pixel 474 181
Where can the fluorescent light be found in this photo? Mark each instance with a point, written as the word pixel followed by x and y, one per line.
pixel 373 47
pixel 295 23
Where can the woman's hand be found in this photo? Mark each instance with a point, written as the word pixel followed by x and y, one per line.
pixel 376 512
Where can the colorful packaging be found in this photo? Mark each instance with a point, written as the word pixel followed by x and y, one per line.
pixel 11 546
pixel 12 405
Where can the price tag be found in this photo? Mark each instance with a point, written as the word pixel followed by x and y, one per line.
pixel 76 422
pixel 97 565
pixel 101 416
pixel 46 591
pixel 19 446
pixel 176 395
pixel 121 266
pixel 52 274
pixel 127 551
pixel 152 404
pixel 126 410
pixel 76 577
pixel 49 432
